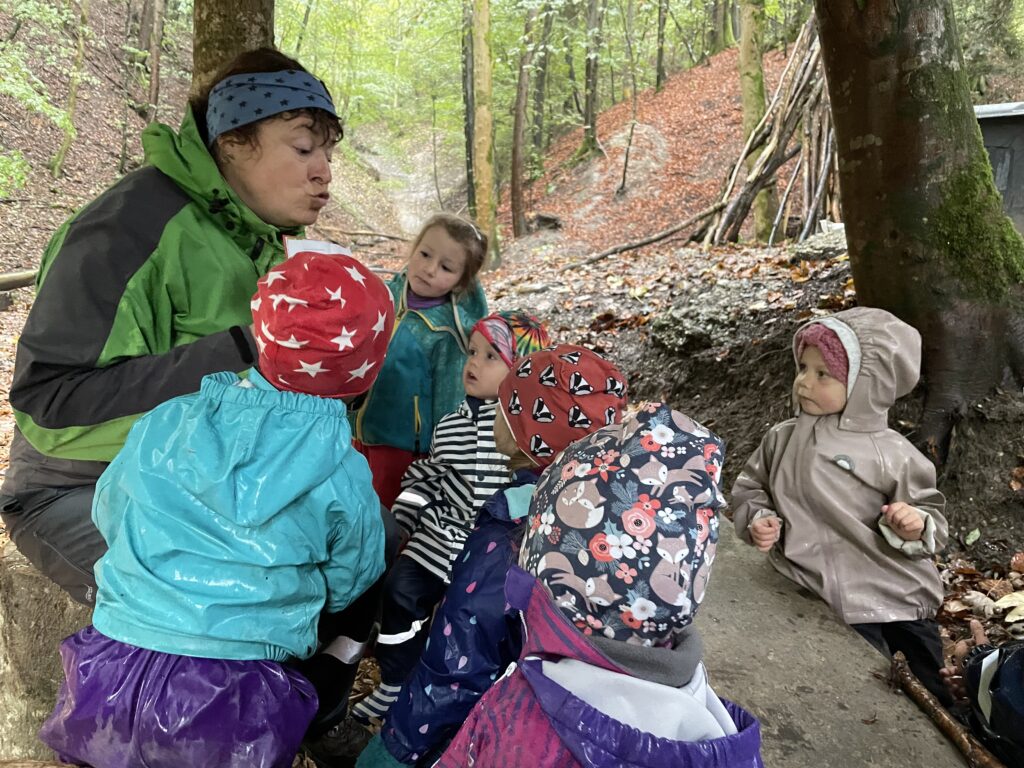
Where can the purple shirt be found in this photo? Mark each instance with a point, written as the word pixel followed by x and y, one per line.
pixel 415 301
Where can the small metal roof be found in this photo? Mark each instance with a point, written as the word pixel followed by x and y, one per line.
pixel 1012 109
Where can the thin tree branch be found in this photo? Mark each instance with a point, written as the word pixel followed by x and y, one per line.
pixel 976 754
pixel 647 240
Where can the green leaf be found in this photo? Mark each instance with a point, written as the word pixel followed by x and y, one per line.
pixel 972 537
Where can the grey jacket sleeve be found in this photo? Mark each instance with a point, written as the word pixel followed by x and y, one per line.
pixel 751 497
pixel 914 483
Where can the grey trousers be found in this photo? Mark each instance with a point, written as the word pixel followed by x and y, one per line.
pixel 53 528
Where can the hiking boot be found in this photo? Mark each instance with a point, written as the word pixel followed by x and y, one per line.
pixel 340 746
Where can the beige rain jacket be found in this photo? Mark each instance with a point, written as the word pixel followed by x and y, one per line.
pixel 827 477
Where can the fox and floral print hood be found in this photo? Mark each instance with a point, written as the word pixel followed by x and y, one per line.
pixel 623 526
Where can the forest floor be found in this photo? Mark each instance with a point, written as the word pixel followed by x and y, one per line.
pixel 707 330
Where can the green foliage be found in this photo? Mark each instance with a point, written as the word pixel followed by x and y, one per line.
pixel 385 62
pixel 25 88
pixel 14 170
pixel 36 22
pixel 784 19
pixel 992 37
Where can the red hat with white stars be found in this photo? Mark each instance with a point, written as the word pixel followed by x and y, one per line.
pixel 322 325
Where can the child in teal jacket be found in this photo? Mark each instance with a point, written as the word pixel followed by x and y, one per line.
pixel 437 300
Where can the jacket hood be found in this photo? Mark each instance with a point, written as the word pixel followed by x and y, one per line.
pixel 884 354
pixel 184 158
pixel 245 480
pixel 596 739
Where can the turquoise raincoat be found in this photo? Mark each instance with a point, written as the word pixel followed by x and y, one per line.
pixel 234 516
pixel 421 380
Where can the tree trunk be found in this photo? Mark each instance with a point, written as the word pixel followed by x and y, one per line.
pixel 302 29
pixel 519 129
pixel 540 82
pixel 595 15
pixel 572 101
pixel 928 237
pixel 627 36
pixel 145 25
pixel 467 101
pixel 483 124
pixel 225 28
pixel 57 163
pixel 721 36
pixel 752 94
pixel 156 41
pixel 659 67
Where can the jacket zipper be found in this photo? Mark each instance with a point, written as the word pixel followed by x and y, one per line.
pixel 416 420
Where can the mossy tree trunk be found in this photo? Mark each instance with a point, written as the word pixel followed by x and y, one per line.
pixel 547 13
pixel 77 68
pixel 467 102
pixel 516 202
pixel 928 237
pixel 752 95
pixel 659 66
pixel 483 125
pixel 721 35
pixel 225 28
pixel 595 17
pixel 155 46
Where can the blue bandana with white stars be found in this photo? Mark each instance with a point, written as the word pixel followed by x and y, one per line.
pixel 243 99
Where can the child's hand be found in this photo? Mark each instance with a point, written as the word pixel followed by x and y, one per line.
pixel 904 520
pixel 765 531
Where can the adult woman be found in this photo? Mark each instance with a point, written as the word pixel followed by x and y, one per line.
pixel 147 290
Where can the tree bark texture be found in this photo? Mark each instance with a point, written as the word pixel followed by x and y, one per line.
pixel 659 67
pixel 518 208
pixel 77 65
pixel 483 125
pixel 467 101
pixel 721 36
pixel 595 16
pixel 928 237
pixel 225 28
pixel 156 41
pixel 752 95
pixel 540 81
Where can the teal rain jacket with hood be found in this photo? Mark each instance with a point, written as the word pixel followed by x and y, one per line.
pixel 234 516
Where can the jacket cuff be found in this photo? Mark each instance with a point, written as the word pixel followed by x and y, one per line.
pixel 760 515
pixel 920 548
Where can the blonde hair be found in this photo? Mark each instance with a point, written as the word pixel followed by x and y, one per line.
pixel 465 233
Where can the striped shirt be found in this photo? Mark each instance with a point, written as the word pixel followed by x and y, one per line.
pixel 442 494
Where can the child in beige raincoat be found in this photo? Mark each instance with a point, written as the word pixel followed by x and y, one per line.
pixel 845 506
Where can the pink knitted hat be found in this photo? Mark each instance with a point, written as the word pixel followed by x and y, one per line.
pixel 831 348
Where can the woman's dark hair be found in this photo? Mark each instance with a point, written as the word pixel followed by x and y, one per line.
pixel 260 60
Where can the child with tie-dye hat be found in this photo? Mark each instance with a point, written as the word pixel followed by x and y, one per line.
pixel 551 399
pixel 441 497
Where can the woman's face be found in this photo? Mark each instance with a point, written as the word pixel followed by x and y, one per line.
pixel 284 176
